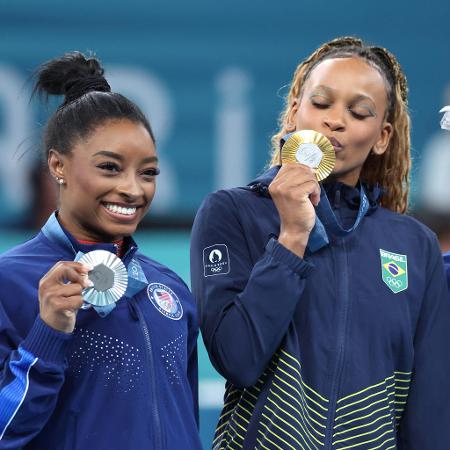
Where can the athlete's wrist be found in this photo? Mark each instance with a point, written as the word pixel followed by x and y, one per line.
pixel 295 242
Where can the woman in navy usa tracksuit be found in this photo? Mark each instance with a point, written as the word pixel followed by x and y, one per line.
pixel 71 379
pixel 341 344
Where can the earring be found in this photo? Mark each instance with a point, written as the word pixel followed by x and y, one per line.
pixel 60 180
pixel 290 126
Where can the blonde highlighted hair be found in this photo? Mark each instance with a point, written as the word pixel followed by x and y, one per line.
pixel 391 169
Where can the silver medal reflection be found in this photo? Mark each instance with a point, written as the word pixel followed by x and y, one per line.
pixel 109 276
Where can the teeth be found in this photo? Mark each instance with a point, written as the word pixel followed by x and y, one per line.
pixel 120 210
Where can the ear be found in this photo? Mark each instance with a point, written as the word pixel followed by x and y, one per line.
pixel 56 164
pixel 291 119
pixel 383 141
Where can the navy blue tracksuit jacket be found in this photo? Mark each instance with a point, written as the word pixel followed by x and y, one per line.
pixel 125 381
pixel 348 348
pixel 447 270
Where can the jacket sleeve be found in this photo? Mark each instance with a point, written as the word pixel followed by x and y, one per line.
pixel 32 373
pixel 192 367
pixel 447 270
pixel 425 425
pixel 245 306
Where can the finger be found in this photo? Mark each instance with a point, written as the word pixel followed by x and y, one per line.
pixel 296 174
pixel 294 181
pixel 308 190
pixel 74 302
pixel 69 290
pixel 315 195
pixel 64 274
pixel 71 304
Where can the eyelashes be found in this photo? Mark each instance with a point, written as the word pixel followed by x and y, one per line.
pixel 112 168
pixel 354 113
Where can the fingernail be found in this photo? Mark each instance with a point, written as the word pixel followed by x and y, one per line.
pixel 89 283
pixel 87 267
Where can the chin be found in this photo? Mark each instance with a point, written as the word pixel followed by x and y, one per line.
pixel 114 233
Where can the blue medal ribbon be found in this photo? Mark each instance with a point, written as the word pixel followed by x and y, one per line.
pixel 327 223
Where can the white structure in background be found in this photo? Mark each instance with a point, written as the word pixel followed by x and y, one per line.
pixel 16 155
pixel 153 97
pixel 233 129
pixel 435 179
pixel 210 393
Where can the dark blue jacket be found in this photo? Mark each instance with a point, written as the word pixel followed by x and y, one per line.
pixel 346 348
pixel 447 270
pixel 126 381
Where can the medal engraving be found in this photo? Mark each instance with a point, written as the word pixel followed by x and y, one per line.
pixel 310 155
pixel 102 277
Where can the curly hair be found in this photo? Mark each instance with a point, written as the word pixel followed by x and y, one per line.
pixel 391 169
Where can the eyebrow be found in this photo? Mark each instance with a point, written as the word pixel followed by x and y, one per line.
pixel 330 90
pixel 119 157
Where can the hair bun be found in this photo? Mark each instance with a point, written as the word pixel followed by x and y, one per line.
pixel 72 75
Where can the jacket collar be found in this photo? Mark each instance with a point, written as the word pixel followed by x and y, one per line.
pixel 335 190
pixel 56 234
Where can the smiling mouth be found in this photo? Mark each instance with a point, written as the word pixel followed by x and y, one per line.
pixel 122 210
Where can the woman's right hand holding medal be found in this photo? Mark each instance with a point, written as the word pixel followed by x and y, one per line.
pixel 295 191
pixel 60 294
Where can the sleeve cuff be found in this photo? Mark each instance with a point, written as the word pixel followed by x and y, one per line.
pixel 282 254
pixel 46 343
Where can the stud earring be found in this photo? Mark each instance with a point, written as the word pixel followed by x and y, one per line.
pixel 290 126
pixel 60 180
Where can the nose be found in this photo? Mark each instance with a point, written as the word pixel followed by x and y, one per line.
pixel 334 119
pixel 130 187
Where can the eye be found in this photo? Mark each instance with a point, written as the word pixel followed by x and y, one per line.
pixel 319 105
pixel 359 116
pixel 151 172
pixel 109 167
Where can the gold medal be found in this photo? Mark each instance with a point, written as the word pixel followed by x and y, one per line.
pixel 312 149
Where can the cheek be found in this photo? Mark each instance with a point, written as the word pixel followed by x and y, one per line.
pixel 86 182
pixel 150 190
pixel 307 118
pixel 365 136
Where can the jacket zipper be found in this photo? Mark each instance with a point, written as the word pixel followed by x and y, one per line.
pixel 154 403
pixel 342 329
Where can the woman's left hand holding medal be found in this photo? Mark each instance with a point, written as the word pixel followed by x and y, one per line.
pixel 60 294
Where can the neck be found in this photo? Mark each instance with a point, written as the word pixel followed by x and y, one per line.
pixel 81 234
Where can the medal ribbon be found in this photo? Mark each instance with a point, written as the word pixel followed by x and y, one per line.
pixel 327 223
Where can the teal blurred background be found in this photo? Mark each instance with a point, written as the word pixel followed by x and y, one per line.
pixel 211 76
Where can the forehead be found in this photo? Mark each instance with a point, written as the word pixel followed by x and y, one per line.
pixel 130 139
pixel 352 75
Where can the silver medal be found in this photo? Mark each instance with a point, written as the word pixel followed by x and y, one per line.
pixel 109 276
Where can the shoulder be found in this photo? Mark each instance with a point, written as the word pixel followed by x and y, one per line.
pixel 395 222
pixel 34 253
pixel 229 205
pixel 409 234
pixel 230 198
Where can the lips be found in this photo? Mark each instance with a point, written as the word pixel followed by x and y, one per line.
pixel 335 143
